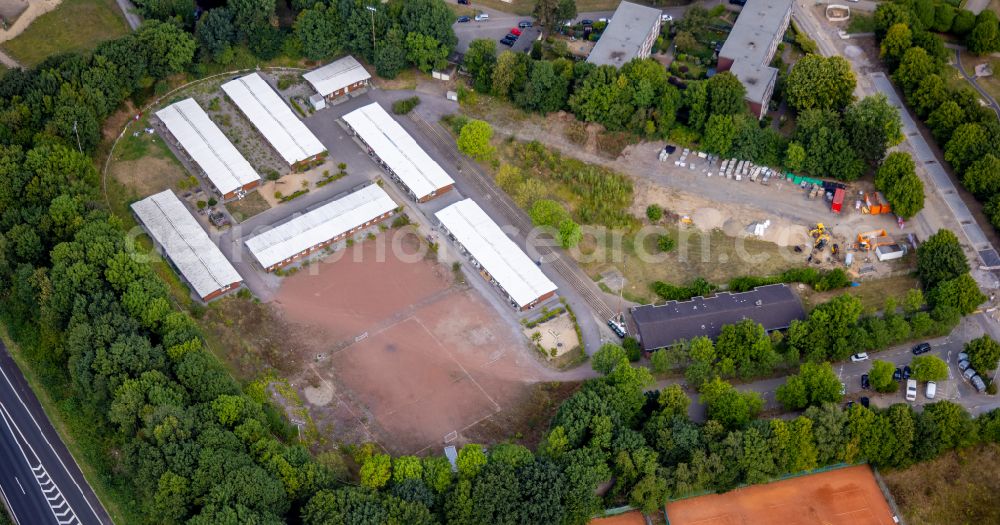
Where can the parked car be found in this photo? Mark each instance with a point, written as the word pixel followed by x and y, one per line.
pixel 738 2
pixel 507 41
pixel 922 348
pixel 524 24
pixel 865 402
pixel 587 22
pixel 483 17
pixel 897 374
pixel 962 356
pixel 931 390
pixel 463 2
pixel 864 382
pixel 857 358
pixel 963 365
pixel 616 328
pixel 666 18
pixel 969 373
pixel 907 372
pixel 978 383
pixel 849 405
pixel 911 390
pixel 511 36
pixel 515 31
pixel 463 19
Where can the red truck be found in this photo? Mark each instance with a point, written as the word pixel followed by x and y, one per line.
pixel 838 200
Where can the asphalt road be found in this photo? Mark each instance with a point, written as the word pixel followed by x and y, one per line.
pixel 39 482
pixel 972 80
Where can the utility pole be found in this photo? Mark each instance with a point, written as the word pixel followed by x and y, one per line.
pixel 373 10
pixel 78 146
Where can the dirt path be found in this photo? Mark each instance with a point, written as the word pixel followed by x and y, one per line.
pixel 36 8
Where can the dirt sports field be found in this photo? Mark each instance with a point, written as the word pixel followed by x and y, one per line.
pixel 409 357
pixel 847 496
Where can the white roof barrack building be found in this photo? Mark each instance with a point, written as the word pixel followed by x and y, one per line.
pixel 186 244
pixel 520 278
pixel 338 77
pixel 274 119
pixel 315 229
pixel 397 150
pixel 226 168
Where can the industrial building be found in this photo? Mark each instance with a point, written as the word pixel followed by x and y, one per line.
pixel 396 151
pixel 338 78
pixel 500 260
pixel 630 34
pixel 274 119
pixel 184 242
pixel 660 326
pixel 316 229
pixel 224 166
pixel 750 47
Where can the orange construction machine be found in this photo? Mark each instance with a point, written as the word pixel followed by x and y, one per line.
pixel 870 240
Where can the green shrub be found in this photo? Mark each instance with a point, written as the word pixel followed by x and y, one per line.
pixel 665 243
pixel 654 213
pixel 402 107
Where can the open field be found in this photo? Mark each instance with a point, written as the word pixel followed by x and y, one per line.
pixel 76 25
pixel 958 487
pixel 386 357
pixel 248 206
pixel 143 165
pixel 991 83
pixel 872 294
pixel 848 496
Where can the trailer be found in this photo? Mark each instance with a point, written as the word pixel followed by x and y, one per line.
pixel 838 200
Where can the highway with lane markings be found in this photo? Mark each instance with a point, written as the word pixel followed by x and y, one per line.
pixel 40 483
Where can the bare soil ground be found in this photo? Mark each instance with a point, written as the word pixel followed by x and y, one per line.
pixel 396 353
pixel 958 487
pixel 250 205
pixel 848 496
pixel 555 334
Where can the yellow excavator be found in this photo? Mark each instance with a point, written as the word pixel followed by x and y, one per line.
pixel 820 236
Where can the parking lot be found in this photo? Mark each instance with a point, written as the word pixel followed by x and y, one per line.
pixel 495 28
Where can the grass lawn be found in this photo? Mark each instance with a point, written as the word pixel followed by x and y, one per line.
pixel 861 23
pixel 959 487
pixel 991 83
pixel 76 25
pixel 714 256
pixel 248 206
pixel 872 294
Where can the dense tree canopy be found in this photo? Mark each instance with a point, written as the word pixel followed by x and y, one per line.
pixel 898 180
pixel 984 353
pixel 940 258
pixel 818 82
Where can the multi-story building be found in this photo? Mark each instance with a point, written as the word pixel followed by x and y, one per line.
pixel 750 48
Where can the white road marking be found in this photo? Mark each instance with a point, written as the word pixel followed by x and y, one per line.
pixel 54 452
pixel 20 486
pixel 10 510
pixel 53 496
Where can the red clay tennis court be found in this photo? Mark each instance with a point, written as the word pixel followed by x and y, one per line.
pixel 847 496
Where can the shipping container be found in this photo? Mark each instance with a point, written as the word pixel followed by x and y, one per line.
pixel 885 203
pixel 838 200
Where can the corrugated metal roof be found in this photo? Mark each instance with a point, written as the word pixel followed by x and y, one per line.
pixel 222 163
pixel 336 75
pixel 320 225
pixel 273 118
pixel 185 242
pixel 497 254
pixel 398 150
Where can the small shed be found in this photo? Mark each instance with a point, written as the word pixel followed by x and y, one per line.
pixel 338 78
pixel 317 101
pixel 890 252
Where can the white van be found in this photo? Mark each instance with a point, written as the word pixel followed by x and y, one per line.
pixel 931 390
pixel 482 17
pixel 911 389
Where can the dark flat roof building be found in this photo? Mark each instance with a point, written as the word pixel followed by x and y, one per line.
pixel 774 306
